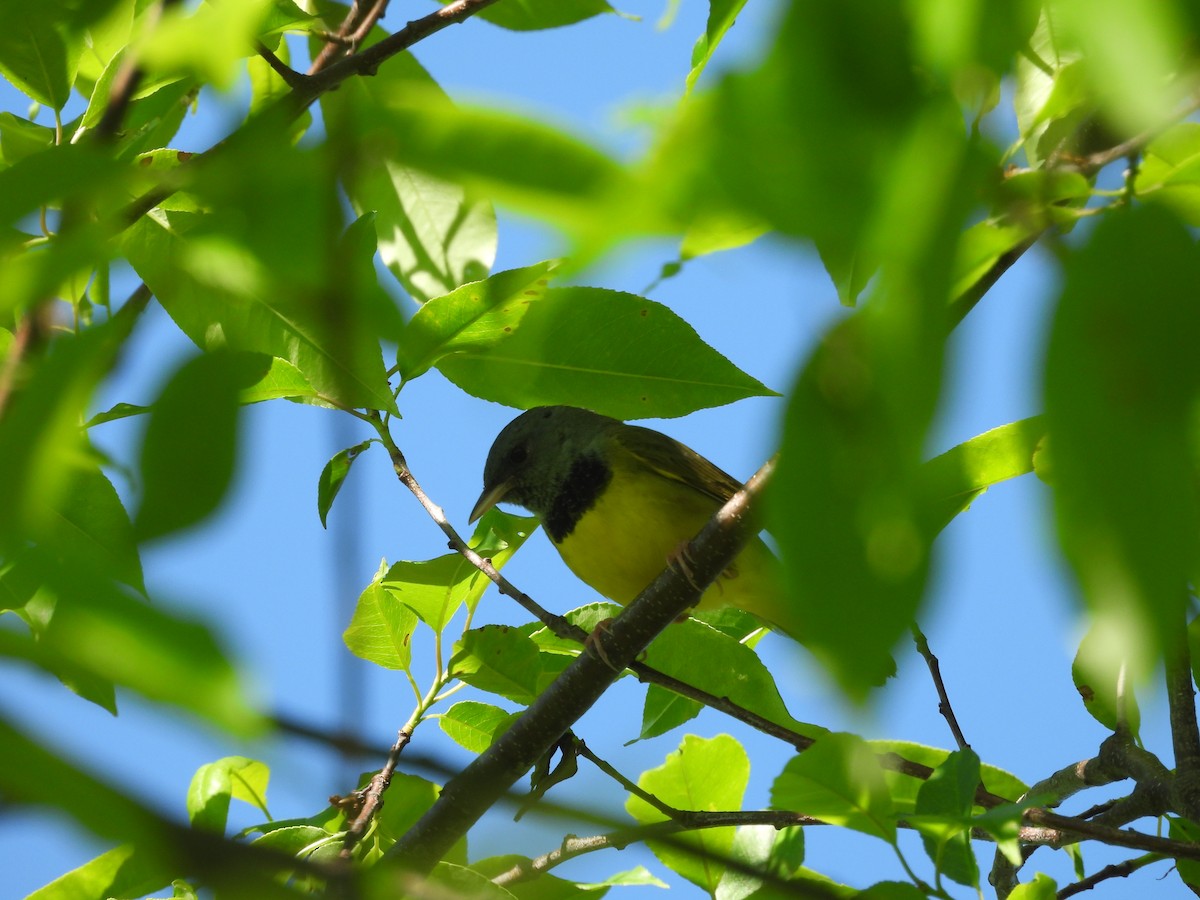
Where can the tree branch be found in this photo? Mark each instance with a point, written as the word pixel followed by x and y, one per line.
pixel 935 672
pixel 471 793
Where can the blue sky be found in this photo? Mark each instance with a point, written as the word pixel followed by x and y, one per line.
pixel 1001 612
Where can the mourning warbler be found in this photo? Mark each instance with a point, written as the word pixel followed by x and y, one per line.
pixel 618 501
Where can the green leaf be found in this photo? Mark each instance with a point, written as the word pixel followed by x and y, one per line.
pixel 474 725
pixel 207 41
pixel 216 783
pixel 38 52
pixel 616 353
pixel 779 852
pixel 533 15
pixel 722 14
pixel 1121 387
pixel 498 659
pixel 951 481
pixel 511 159
pixel 665 710
pixel 334 475
pixel 852 530
pixel 381 628
pixel 1186 830
pixel 838 780
pixel 90 529
pixel 1169 170
pixel 1101 674
pixel 412 799
pixel 120 872
pixel 20 138
pixel 471 318
pixel 41 443
pixel 98 631
pixel 1042 887
pixel 904 789
pixel 265 271
pixel 702 774
pixel 190 447
pixel 722 665
pixel 435 589
pixel 945 800
pixel 433 235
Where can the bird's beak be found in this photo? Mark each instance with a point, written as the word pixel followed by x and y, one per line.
pixel 489 498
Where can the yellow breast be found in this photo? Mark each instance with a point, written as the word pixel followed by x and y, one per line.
pixel 640 522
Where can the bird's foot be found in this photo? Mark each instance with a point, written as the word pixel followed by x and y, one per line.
pixel 593 645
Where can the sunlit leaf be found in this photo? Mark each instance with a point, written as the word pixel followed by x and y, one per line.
pixel 838 780
pixel 334 475
pixel 475 725
pixel 616 353
pixel 216 783
pixel 702 774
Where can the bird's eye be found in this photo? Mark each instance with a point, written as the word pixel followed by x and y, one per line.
pixel 519 454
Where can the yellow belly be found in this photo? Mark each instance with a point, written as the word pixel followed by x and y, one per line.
pixel 640 522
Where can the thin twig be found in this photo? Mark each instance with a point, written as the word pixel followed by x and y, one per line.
pixel 290 76
pixel 357 24
pixel 645 796
pixel 935 672
pixel 1118 870
pixel 369 799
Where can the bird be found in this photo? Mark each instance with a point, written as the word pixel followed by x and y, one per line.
pixel 620 501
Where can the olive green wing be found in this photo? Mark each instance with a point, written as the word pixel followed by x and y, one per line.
pixel 673 460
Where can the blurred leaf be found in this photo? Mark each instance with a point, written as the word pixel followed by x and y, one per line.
pixel 1101 673
pixel 381 628
pixel 223 298
pixel 778 851
pixel 527 165
pixel 498 659
pixel 474 725
pixel 799 141
pixel 616 353
pixel 190 447
pixel 839 781
pixel 904 789
pixel 38 52
pixel 120 872
pixel 1132 57
pixel 334 475
pixel 721 665
pixel 409 798
pixel 852 533
pixel 20 138
pixel 97 629
pixel 216 783
pixel 41 445
pixel 433 235
pixel 470 318
pixel 1169 170
pixel 1121 385
pixel 281 379
pixel 90 529
pixel 702 774
pixel 952 480
pixel 207 41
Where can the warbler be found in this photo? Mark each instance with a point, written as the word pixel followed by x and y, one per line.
pixel 619 501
